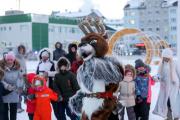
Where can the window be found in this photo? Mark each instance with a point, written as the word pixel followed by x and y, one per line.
pixel 173 19
pixel 157 20
pixel 149 29
pixel 73 30
pixel 157 12
pixel 173 28
pixel 10 28
pixel 142 29
pixel 59 29
pixel 4 28
pixel 149 21
pixel 173 11
pixel 166 37
pixel 157 29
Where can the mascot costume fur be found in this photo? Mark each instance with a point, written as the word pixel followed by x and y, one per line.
pixel 98 76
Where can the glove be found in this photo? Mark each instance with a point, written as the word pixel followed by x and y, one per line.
pixel 11 87
pixel 139 99
pixel 31 97
pixel 60 98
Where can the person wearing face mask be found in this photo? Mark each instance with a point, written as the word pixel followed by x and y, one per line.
pixel 143 81
pixel 72 49
pixel 66 85
pixel 168 105
pixel 126 97
pixel 58 52
pixel 42 97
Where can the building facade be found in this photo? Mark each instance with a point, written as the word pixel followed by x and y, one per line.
pixel 156 16
pixel 37 31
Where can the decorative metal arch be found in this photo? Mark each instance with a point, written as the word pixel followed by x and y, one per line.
pixel 150 45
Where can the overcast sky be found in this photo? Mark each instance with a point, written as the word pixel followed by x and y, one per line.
pixel 109 8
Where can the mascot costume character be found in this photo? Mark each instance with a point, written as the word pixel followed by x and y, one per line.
pixel 98 77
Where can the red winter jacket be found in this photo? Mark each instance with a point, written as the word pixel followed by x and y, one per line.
pixel 30 90
pixel 75 65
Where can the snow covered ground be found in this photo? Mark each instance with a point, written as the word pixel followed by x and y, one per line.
pixel 31 65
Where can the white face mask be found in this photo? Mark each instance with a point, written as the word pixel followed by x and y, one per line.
pixel 37 83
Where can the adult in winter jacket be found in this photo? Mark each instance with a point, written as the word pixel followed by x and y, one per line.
pixel 20 56
pixel 43 96
pixel 72 49
pixel 66 85
pixel 12 81
pixel 3 92
pixel 168 105
pixel 58 52
pixel 126 98
pixel 143 82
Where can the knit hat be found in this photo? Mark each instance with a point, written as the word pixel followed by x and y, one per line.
pixel 139 63
pixel 168 53
pixel 45 54
pixel 10 56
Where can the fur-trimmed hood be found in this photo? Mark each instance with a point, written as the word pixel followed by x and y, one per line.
pixel 3 65
pixel 68 63
pixel 45 49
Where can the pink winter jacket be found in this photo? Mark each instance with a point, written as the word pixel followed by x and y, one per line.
pixel 151 82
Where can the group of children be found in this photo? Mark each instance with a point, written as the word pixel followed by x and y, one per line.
pixel 134 92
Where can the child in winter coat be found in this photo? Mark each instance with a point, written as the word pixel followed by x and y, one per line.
pixel 126 97
pixel 143 81
pixel 30 91
pixel 42 98
pixel 66 85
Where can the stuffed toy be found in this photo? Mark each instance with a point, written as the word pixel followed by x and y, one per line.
pixel 98 78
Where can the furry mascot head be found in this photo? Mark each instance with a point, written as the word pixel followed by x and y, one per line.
pixel 98 78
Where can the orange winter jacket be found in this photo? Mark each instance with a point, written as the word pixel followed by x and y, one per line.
pixel 43 99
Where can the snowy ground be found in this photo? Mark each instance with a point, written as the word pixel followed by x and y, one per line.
pixel 31 65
